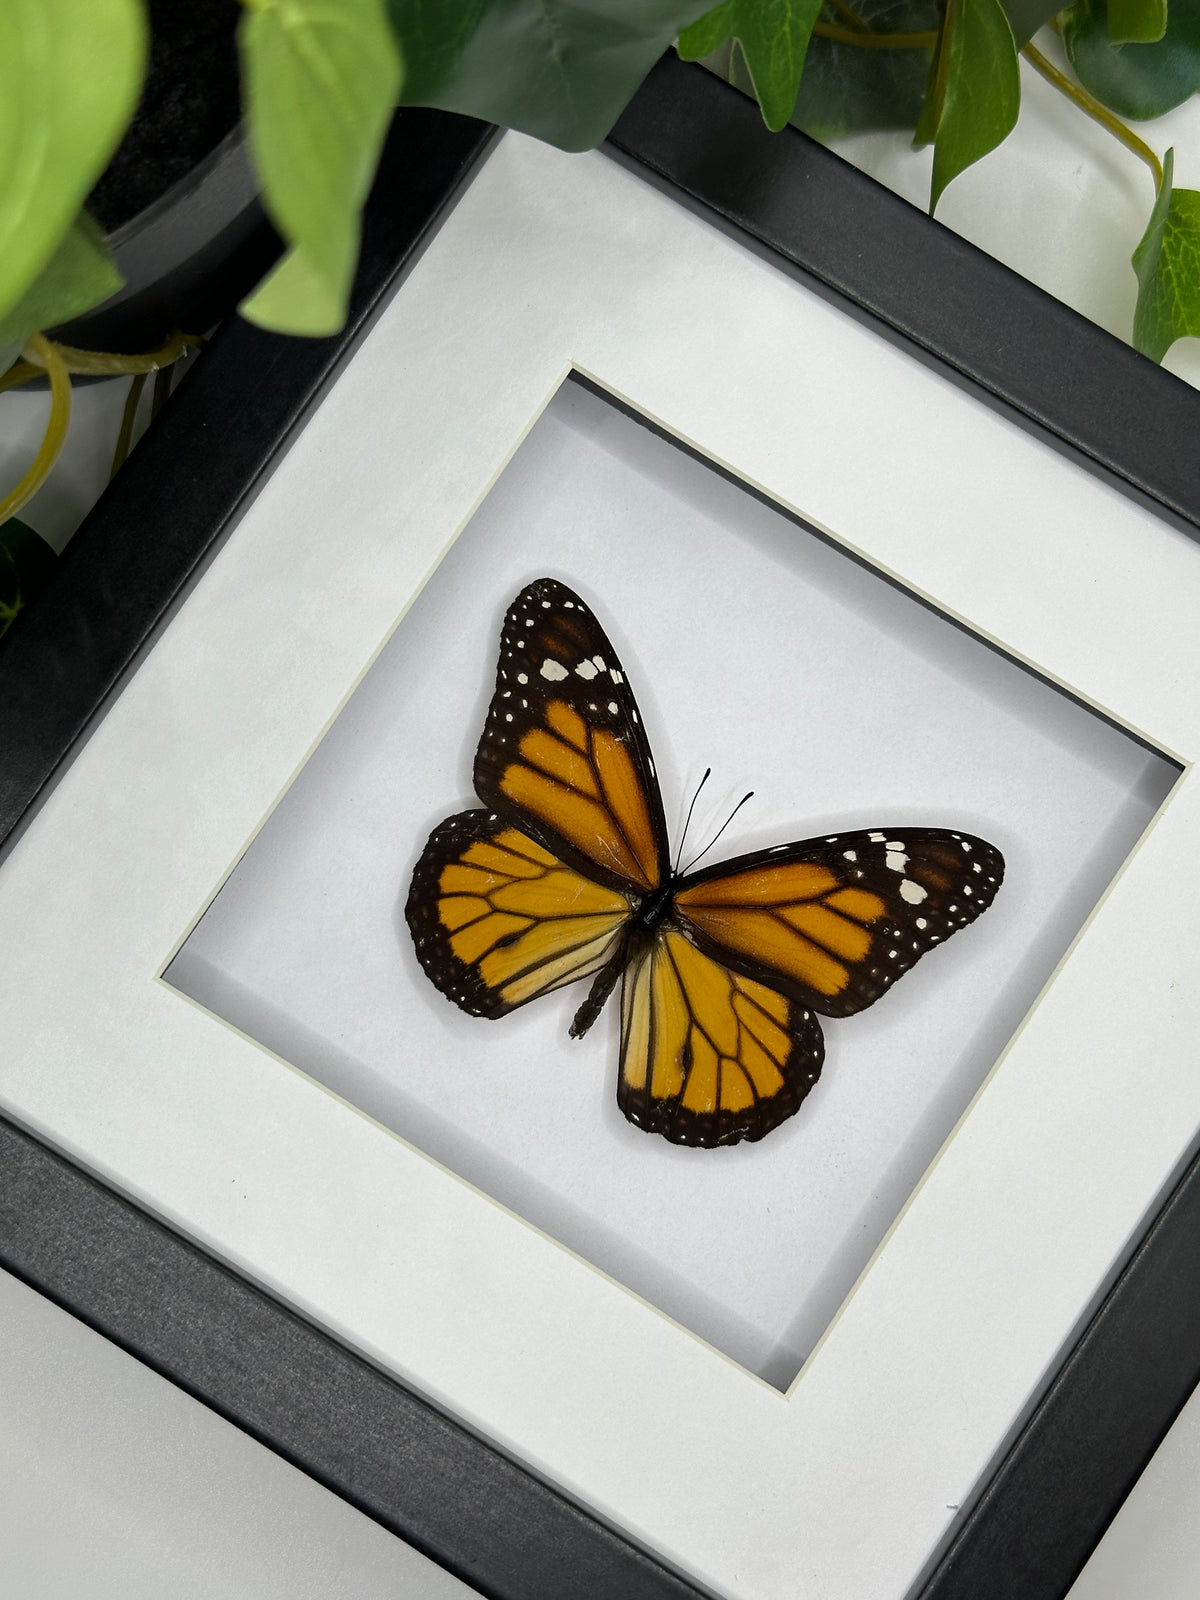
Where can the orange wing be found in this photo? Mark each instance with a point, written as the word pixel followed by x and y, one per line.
pixel 833 922
pixel 497 920
pixel 563 754
pixel 709 1056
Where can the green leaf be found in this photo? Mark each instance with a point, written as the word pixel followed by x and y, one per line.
pixel 70 73
pixel 10 349
pixel 26 562
pixel 1135 80
pixel 846 89
pixel 77 277
pixel 1027 16
pixel 1167 263
pixel 1137 21
pixel 773 35
pixel 973 101
pixel 321 79
pixel 562 70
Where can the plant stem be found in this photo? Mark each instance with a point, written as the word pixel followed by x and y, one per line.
pixel 162 390
pixel 875 41
pixel 101 364
pixel 41 352
pixel 1095 110
pixel 20 372
pixel 125 436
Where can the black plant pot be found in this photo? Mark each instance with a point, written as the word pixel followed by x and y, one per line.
pixel 187 259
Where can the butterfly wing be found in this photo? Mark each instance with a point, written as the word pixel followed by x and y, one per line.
pixel 497 920
pixel 709 1056
pixel 564 755
pixel 832 923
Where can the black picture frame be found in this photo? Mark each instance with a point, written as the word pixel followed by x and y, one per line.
pixel 318 1404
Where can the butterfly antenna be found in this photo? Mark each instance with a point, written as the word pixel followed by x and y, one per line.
pixel 688 821
pixel 719 832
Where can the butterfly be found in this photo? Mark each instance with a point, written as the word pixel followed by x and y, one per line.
pixel 566 874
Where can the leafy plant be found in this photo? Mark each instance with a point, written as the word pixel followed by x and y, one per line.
pixel 26 562
pixel 320 79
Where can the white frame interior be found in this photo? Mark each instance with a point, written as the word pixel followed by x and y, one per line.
pixel 848 1484
pixel 757 645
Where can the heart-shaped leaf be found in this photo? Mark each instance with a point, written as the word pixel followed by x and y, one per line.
pixel 26 562
pixel 562 70
pixel 1167 263
pixel 78 276
pixel 849 89
pixel 1137 21
pixel 1135 80
pixel 1025 17
pixel 321 80
pixel 70 72
pixel 773 35
pixel 975 91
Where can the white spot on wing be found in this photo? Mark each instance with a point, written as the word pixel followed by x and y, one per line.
pixel 585 669
pixel 914 894
pixel 616 676
pixel 554 670
pixel 522 677
pixel 896 860
pixel 876 838
pixel 613 707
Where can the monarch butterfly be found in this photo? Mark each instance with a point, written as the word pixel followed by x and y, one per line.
pixel 566 874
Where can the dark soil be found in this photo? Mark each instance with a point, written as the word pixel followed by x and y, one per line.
pixel 188 105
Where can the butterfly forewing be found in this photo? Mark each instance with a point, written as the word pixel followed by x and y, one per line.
pixel 832 923
pixel 708 1055
pixel 564 754
pixel 497 920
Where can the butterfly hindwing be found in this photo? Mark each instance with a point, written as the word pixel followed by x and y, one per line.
pixel 497 920
pixel 564 753
pixel 708 1055
pixel 833 922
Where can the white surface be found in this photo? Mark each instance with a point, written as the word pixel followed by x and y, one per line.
pixel 754 648
pixel 847 1486
pixel 115 1485
pixel 1152 1547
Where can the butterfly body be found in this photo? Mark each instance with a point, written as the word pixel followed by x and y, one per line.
pixel 567 875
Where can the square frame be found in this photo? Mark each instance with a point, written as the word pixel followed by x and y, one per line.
pixel 672 93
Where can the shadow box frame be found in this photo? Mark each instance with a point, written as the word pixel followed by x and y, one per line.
pixel 222 1331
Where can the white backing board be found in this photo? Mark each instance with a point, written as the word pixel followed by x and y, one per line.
pixel 757 648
